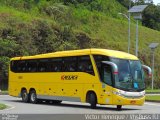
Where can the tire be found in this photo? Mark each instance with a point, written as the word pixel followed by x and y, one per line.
pixel 92 99
pixel 33 97
pixel 119 107
pixel 25 96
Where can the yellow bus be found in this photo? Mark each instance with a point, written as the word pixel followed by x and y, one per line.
pixel 95 76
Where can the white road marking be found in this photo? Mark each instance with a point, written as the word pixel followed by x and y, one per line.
pixel 153 104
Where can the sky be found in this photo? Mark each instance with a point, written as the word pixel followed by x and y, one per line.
pixel 156 1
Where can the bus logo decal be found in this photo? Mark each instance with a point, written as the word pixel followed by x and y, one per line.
pixel 69 77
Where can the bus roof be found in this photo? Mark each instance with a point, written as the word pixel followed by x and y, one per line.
pixel 110 53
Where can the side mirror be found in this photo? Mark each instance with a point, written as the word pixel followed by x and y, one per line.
pixel 148 69
pixel 113 65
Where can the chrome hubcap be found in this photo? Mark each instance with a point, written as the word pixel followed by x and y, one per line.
pixel 33 97
pixel 24 96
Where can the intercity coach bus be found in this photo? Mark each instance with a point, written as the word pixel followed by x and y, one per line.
pixel 95 76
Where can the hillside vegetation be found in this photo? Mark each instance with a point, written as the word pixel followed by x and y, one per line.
pixel 41 26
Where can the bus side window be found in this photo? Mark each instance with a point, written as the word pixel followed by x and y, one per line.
pixel 32 66
pixel 56 65
pixel 98 60
pixel 14 66
pixel 85 65
pixel 107 75
pixel 43 65
pixel 70 64
pixel 21 66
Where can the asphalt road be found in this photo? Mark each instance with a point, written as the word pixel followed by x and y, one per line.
pixel 18 107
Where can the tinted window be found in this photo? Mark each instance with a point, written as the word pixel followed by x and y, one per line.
pixel 64 64
pixel 70 64
pixel 98 59
pixel 56 65
pixel 107 75
pixel 43 65
pixel 13 66
pixel 31 66
pixel 85 65
pixel 18 66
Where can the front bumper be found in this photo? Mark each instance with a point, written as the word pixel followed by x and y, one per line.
pixel 120 100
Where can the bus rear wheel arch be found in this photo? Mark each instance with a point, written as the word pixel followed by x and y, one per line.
pixel 91 98
pixel 33 96
pixel 24 95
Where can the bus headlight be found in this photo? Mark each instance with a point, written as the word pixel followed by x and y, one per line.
pixel 129 94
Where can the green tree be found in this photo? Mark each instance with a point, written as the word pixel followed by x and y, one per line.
pixel 139 2
pixel 8 48
pixel 151 17
pixel 126 3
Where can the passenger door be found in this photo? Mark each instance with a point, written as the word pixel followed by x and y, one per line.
pixel 107 79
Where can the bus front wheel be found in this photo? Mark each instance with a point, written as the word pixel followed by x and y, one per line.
pixel 33 97
pixel 25 96
pixel 92 99
pixel 119 107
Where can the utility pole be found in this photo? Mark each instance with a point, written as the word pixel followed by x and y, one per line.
pixel 153 46
pixel 137 12
pixel 129 28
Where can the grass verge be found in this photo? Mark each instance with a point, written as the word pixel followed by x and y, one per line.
pixel 2 106
pixel 3 92
pixel 153 91
pixel 153 98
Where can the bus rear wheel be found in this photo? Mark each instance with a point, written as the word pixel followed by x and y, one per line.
pixel 33 97
pixel 25 96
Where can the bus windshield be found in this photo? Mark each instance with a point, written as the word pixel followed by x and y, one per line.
pixel 130 75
